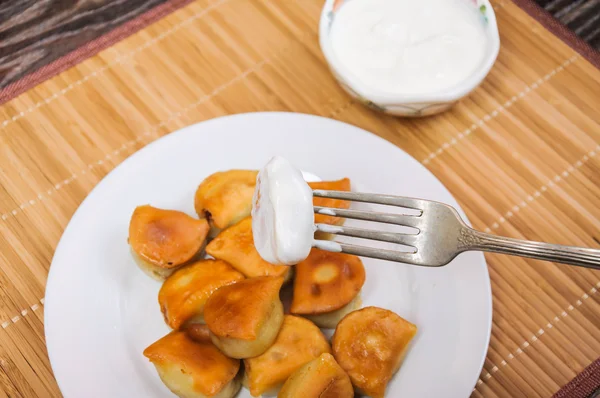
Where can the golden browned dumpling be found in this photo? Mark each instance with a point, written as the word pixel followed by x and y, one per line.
pixel 327 287
pixel 163 240
pixel 245 317
pixel 184 293
pixel 339 185
pixel 236 246
pixel 320 378
pixel 192 367
pixel 225 197
pixel 370 344
pixel 299 341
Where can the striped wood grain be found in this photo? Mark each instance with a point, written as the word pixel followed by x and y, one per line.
pixel 520 155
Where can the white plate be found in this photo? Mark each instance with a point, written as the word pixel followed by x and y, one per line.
pixel 102 311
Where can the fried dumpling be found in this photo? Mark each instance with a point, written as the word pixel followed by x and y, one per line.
pixel 370 344
pixel 245 317
pixel 327 287
pixel 183 295
pixel 299 341
pixel 236 246
pixel 320 378
pixel 339 185
pixel 163 240
pixel 192 367
pixel 225 197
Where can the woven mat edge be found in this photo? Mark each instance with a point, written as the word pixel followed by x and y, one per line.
pixel 559 30
pixel 89 49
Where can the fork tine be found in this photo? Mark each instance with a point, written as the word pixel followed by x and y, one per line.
pixel 388 218
pixel 409 203
pixel 393 237
pixel 390 255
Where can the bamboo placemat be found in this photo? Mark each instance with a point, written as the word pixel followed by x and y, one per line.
pixel 520 155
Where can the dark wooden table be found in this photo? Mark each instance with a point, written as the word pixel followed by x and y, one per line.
pixel 34 33
pixel 581 16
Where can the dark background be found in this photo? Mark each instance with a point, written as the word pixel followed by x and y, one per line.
pixel 581 16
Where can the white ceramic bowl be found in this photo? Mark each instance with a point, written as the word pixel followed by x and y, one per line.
pixel 409 105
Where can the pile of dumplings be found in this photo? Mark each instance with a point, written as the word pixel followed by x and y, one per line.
pixel 230 324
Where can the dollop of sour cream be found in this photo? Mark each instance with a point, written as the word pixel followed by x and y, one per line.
pixel 282 214
pixel 409 46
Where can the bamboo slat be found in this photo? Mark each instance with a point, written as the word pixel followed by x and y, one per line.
pixel 520 155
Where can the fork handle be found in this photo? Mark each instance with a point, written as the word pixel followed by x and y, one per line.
pixel 580 256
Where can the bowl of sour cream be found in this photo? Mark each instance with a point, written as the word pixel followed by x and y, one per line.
pixel 409 57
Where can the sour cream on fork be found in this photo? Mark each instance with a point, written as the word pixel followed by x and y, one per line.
pixel 282 213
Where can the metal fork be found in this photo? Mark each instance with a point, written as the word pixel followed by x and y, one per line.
pixel 441 236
